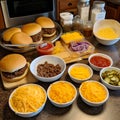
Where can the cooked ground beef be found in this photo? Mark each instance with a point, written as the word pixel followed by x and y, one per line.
pixel 37 37
pixel 49 30
pixel 15 74
pixel 48 70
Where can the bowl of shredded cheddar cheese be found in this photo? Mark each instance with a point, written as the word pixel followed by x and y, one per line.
pixel 28 100
pixel 93 93
pixel 80 72
pixel 107 31
pixel 61 93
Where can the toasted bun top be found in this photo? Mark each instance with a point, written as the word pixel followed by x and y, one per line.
pixel 31 28
pixel 12 62
pixel 21 38
pixel 45 22
pixel 7 34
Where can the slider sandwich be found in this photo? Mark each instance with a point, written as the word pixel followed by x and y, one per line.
pixel 48 26
pixel 13 67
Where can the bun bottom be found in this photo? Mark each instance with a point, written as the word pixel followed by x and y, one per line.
pixel 16 78
pixel 38 42
pixel 49 35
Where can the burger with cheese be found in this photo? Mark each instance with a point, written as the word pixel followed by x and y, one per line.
pixel 48 26
pixel 13 67
pixel 34 30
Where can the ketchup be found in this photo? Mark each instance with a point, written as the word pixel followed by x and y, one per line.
pixel 45 48
pixel 100 61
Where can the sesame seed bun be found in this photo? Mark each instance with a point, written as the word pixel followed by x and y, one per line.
pixel 21 38
pixel 7 34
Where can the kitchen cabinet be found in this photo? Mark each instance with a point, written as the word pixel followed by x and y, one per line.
pixel 112 11
pixel 66 5
pixel 2 25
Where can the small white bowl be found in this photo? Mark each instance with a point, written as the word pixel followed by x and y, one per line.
pixel 50 59
pixel 28 114
pixel 77 80
pixel 67 103
pixel 91 103
pixel 108 85
pixel 97 68
pixel 115 25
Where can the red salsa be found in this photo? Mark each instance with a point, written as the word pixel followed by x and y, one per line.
pixel 45 48
pixel 100 61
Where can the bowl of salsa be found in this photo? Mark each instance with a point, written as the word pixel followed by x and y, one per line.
pixel 45 48
pixel 99 60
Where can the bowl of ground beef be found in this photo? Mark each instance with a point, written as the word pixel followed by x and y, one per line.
pixel 47 68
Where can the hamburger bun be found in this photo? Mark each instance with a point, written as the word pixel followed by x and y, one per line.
pixel 34 30
pixel 47 25
pixel 13 63
pixel 7 34
pixel 21 38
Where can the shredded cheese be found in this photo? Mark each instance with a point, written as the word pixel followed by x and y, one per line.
pixel 80 72
pixel 93 91
pixel 61 92
pixel 107 33
pixel 71 36
pixel 28 98
pixel 58 48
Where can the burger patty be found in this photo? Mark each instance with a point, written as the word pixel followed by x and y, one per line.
pixel 48 30
pixel 15 74
pixel 37 37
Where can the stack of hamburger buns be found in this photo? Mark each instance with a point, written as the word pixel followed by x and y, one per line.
pixel 30 33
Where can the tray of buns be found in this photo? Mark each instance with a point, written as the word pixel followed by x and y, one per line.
pixel 26 37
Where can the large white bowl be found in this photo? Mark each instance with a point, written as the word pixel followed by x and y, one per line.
pixel 28 114
pixel 115 25
pixel 50 59
pixel 112 87
pixel 95 67
pixel 65 104
pixel 91 103
pixel 78 65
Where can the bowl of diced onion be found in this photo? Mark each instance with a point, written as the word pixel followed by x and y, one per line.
pixel 62 93
pixel 107 31
pixel 28 100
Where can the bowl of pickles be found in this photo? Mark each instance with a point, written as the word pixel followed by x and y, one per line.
pixel 110 77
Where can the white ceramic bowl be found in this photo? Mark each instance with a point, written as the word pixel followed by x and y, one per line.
pixel 78 80
pixel 50 59
pixel 28 114
pixel 97 93
pixel 95 67
pixel 108 85
pixel 62 94
pixel 115 25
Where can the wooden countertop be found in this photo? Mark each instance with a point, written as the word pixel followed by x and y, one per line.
pixel 79 110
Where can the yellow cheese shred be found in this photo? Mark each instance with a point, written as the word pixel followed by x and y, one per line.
pixel 62 92
pixel 107 33
pixel 71 36
pixel 93 91
pixel 27 98
pixel 80 72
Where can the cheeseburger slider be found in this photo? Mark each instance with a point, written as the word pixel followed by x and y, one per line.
pixel 21 38
pixel 13 67
pixel 7 34
pixel 34 30
pixel 47 25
